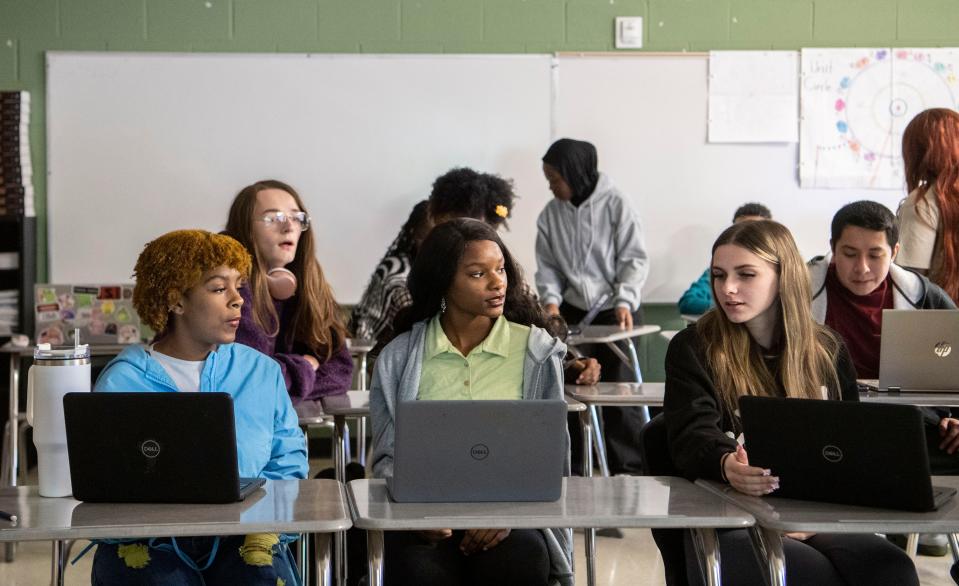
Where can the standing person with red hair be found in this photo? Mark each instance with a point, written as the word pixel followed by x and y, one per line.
pixel 929 216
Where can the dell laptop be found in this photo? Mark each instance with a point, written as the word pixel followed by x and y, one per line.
pixel 153 448
pixel 475 451
pixel 919 351
pixel 865 454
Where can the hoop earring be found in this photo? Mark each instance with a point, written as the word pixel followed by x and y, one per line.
pixel 442 304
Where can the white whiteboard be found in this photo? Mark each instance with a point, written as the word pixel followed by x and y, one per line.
pixel 140 144
pixel 647 118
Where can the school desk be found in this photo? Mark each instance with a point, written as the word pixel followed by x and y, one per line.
pixel 907 398
pixel 316 507
pixel 775 516
pixel 656 502
pixel 356 404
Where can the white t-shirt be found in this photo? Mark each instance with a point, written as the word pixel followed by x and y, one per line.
pixel 185 373
pixel 918 229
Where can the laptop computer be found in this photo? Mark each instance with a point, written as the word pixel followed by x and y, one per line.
pixel 919 351
pixel 827 451
pixel 478 451
pixel 590 315
pixel 154 448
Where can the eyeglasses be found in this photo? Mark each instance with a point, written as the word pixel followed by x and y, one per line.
pixel 279 219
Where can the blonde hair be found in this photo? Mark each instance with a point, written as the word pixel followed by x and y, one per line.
pixel 173 263
pixel 806 348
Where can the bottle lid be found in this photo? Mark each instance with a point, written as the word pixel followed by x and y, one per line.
pixel 76 352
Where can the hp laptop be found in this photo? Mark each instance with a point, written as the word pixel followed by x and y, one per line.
pixel 153 447
pixel 827 451
pixel 473 451
pixel 590 315
pixel 919 351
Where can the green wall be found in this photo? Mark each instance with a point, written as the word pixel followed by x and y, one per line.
pixel 30 27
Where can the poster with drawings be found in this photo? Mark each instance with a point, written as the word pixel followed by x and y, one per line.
pixel 855 104
pixel 103 313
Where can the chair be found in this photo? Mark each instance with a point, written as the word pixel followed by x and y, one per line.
pixel 654 447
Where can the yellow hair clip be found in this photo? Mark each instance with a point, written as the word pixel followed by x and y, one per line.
pixel 502 211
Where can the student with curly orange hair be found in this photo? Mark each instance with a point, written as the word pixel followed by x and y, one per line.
pixel 929 216
pixel 187 290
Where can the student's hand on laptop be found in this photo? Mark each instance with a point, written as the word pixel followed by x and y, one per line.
pixel 588 369
pixel 949 432
pixel 799 536
pixel 434 535
pixel 552 309
pixel 482 539
pixel 624 317
pixel 745 478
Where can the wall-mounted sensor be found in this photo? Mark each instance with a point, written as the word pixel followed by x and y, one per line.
pixel 629 32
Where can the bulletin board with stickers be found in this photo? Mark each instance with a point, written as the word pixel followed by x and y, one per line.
pixel 103 314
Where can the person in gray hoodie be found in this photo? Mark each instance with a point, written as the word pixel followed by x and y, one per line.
pixel 589 242
pixel 471 318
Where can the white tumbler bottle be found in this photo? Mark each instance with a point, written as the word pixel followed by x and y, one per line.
pixel 55 372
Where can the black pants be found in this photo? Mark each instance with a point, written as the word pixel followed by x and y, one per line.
pixel 521 559
pixel 825 559
pixel 620 424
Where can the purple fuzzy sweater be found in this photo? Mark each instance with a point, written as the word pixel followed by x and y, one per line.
pixel 333 377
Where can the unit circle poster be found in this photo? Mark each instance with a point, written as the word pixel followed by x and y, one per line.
pixel 855 104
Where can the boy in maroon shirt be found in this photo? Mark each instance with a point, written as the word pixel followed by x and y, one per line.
pixel 852 285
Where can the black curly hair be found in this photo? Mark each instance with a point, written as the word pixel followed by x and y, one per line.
pixel 465 193
pixel 435 267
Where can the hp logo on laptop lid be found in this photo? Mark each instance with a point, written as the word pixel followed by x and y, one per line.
pixel 943 349
pixel 150 448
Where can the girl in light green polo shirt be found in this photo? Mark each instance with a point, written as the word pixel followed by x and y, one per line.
pixel 472 332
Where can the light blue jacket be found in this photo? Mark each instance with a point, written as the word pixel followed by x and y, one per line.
pixel 396 378
pixel 269 442
pixel 598 247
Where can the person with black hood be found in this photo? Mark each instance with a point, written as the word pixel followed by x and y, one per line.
pixel 589 242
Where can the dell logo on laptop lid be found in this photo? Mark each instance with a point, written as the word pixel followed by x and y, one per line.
pixel 943 349
pixel 832 454
pixel 479 452
pixel 150 448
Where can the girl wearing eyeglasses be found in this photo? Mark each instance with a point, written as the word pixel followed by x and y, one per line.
pixel 303 332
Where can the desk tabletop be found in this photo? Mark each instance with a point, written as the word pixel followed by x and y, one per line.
pixel 310 412
pixel 620 501
pixel 909 398
pixel 648 394
pixel 359 345
pixel 289 506
pixel 95 349
pixel 808 516
pixel 604 334
pixel 357 404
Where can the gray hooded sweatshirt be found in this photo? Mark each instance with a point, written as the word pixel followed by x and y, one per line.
pixel 396 377
pixel 598 247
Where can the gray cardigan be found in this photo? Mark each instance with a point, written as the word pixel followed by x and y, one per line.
pixel 396 377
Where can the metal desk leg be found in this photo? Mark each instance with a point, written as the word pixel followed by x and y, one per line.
pixel 600 444
pixel 361 422
pixel 912 545
pixel 954 547
pixel 768 546
pixel 585 421
pixel 707 552
pixel 339 468
pixel 58 563
pixel 639 375
pixel 374 545
pixel 13 417
pixel 303 558
pixel 323 568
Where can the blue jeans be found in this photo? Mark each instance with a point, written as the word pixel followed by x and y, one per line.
pixel 137 564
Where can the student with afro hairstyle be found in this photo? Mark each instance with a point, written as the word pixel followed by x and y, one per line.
pixel 187 290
